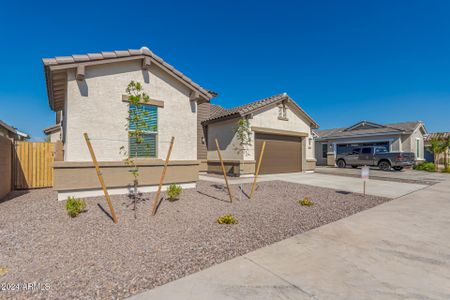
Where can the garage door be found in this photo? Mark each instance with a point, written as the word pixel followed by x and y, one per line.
pixel 283 154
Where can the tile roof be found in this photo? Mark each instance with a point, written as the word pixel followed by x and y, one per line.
pixel 101 56
pixel 406 127
pixel 52 128
pixel 14 130
pixel 219 113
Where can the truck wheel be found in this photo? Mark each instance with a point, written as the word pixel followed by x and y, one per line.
pixel 398 168
pixel 341 163
pixel 354 167
pixel 384 165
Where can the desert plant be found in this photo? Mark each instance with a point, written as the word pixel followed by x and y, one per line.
pixel 227 219
pixel 173 192
pixel 425 166
pixel 305 202
pixel 75 206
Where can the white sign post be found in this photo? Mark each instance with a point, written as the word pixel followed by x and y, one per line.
pixel 365 176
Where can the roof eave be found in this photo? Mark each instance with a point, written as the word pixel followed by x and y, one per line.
pixel 360 135
pixel 49 67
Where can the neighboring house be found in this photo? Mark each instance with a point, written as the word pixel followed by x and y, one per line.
pixel 403 137
pixel 12 133
pixel 54 133
pixel 278 120
pixel 429 155
pixel 8 135
pixel 89 92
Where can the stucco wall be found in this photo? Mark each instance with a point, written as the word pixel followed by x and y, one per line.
pixel 268 118
pixel 95 106
pixel 225 134
pixel 55 136
pixel 409 144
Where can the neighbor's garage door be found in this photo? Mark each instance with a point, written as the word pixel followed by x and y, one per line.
pixel 283 154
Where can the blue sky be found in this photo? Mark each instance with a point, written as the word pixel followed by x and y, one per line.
pixel 342 61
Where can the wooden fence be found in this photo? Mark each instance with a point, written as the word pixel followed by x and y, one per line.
pixel 33 165
pixel 5 166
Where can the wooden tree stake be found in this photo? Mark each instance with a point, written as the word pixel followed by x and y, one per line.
pixel 100 178
pixel 161 181
pixel 257 169
pixel 224 172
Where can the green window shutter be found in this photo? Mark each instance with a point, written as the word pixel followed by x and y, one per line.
pixel 147 148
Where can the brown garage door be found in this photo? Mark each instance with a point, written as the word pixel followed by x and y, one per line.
pixel 283 154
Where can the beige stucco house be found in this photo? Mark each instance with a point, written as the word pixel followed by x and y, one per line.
pixel 398 137
pixel 277 120
pixel 89 93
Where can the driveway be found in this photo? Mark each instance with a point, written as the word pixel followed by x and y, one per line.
pixel 398 250
pixel 381 188
pixel 405 175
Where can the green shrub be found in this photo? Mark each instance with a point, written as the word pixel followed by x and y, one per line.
pixel 173 192
pixel 75 206
pixel 446 170
pixel 425 166
pixel 227 219
pixel 305 202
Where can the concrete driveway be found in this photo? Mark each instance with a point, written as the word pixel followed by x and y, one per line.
pixel 407 174
pixel 398 250
pixel 381 188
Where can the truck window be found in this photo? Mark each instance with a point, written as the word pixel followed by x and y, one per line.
pixel 380 150
pixel 366 151
pixel 356 151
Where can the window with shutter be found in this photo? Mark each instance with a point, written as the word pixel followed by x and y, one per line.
pixel 149 118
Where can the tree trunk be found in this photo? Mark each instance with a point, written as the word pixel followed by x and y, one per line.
pixel 436 161
pixel 446 158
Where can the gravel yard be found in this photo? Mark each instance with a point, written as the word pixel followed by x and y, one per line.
pixel 90 257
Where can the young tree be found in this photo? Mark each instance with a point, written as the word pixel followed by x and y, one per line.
pixel 446 149
pixel 437 147
pixel 136 127
pixel 244 135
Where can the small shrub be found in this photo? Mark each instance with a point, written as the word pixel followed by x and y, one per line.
pixel 425 166
pixel 227 219
pixel 305 202
pixel 173 192
pixel 446 170
pixel 75 206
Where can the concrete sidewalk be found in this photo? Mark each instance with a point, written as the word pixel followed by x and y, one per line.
pixel 398 250
pixel 389 189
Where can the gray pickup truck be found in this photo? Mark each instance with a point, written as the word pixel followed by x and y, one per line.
pixel 375 156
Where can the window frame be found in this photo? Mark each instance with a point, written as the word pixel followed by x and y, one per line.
pixel 324 153
pixel 145 133
pixel 365 148
pixel 418 148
